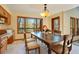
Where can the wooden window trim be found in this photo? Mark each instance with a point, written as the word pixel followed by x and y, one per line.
pixel 52 25
pixel 75 19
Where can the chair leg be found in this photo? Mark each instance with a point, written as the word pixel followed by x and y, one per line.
pixel 70 48
pixel 28 51
pixel 68 52
pixel 35 50
pixel 39 50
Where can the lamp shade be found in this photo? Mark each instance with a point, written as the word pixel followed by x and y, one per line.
pixel 45 13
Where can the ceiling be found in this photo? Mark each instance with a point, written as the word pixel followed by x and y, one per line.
pixel 38 8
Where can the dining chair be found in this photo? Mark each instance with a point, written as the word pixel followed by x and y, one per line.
pixel 57 32
pixel 29 39
pixel 31 45
pixel 64 48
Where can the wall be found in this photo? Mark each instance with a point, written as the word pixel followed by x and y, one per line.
pixel 13 25
pixel 64 20
pixel 46 21
pixel 67 14
pixel 61 15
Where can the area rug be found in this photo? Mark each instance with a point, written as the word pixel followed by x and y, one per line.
pixel 76 42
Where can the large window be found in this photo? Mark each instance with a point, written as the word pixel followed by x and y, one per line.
pixel 28 24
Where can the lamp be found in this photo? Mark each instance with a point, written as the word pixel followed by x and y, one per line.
pixel 45 13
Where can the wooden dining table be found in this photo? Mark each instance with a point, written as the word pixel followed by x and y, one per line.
pixel 48 38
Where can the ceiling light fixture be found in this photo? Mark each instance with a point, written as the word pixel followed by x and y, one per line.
pixel 45 13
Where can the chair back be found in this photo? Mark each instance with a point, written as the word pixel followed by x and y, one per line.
pixel 25 39
pixel 67 43
pixel 57 32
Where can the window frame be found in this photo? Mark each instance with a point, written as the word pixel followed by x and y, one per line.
pixel 25 23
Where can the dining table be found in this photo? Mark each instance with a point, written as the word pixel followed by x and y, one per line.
pixel 48 38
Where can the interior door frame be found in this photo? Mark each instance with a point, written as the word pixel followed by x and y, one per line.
pixel 52 24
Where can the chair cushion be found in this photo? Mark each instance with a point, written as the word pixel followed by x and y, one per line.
pixel 30 39
pixel 32 45
pixel 58 49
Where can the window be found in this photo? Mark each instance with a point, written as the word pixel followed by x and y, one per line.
pixel 28 24
pixel 56 24
pixel 74 25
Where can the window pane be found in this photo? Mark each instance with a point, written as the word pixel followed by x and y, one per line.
pixel 38 23
pixel 29 30
pixel 21 25
pixel 30 24
pixel 56 24
pixel 21 30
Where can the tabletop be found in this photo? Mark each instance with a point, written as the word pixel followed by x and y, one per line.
pixel 47 37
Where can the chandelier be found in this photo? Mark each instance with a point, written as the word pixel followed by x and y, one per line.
pixel 45 12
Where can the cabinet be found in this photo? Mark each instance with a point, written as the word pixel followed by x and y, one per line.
pixel 10 40
pixel 6 15
pixel 4 45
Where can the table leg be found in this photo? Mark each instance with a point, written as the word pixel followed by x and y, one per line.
pixel 49 50
pixel 31 35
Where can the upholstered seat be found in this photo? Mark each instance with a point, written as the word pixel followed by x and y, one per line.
pixel 31 39
pixel 58 49
pixel 33 45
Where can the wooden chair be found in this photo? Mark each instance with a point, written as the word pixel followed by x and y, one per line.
pixel 31 45
pixel 57 32
pixel 29 39
pixel 65 48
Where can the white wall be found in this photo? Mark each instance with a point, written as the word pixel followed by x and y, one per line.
pixel 46 21
pixel 64 20
pixel 61 15
pixel 67 15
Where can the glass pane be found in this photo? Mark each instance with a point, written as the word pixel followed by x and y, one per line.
pixel 21 25
pixel 72 26
pixel 38 23
pixel 56 24
pixel 73 23
pixel 29 30
pixel 21 30
pixel 30 24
